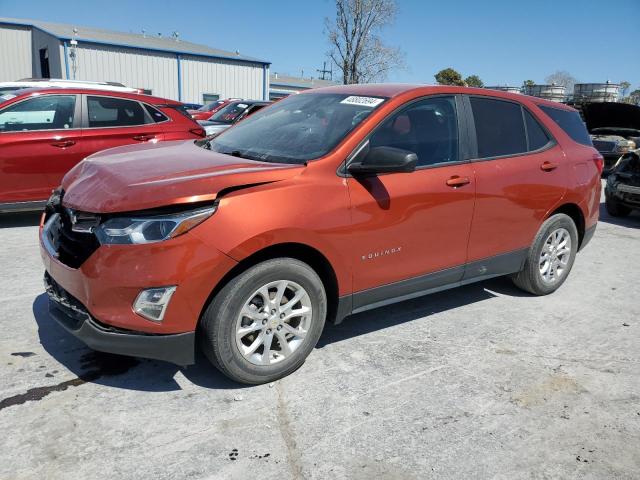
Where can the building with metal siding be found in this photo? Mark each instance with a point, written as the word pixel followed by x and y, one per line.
pixel 282 85
pixel 165 66
pixel 15 52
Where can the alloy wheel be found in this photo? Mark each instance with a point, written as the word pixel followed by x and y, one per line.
pixel 555 255
pixel 273 322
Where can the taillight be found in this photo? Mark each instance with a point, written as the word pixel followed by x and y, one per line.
pixel 198 131
pixel 599 161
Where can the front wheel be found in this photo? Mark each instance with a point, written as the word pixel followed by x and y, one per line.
pixel 550 257
pixel 265 322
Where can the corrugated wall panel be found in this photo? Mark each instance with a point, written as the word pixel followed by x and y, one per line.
pixel 15 53
pixel 222 77
pixel 42 40
pixel 153 71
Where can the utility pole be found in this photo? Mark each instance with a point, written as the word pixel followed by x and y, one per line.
pixel 323 72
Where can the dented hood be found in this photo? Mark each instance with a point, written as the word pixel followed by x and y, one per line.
pixel 139 177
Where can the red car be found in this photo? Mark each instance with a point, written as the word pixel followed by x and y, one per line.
pixel 331 202
pixel 44 132
pixel 205 112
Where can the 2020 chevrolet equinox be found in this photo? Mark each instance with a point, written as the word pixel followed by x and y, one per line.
pixel 327 203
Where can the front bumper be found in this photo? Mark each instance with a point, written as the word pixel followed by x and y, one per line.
pixel 108 282
pixel 74 317
pixel 627 195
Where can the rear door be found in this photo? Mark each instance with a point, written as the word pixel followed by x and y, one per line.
pixel 114 121
pixel 520 175
pixel 40 139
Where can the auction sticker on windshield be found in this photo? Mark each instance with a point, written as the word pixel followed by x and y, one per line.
pixel 363 101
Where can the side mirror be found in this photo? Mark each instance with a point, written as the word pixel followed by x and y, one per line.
pixel 384 160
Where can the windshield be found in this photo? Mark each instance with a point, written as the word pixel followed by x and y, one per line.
pixel 297 129
pixel 210 106
pixel 10 89
pixel 229 113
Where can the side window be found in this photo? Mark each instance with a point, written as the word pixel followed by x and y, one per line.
pixel 114 112
pixel 499 127
pixel 536 135
pixel 429 128
pixel 570 122
pixel 156 114
pixel 48 112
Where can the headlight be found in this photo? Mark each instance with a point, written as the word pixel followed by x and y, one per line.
pixel 135 230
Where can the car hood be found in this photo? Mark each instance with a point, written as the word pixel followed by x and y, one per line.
pixel 611 114
pixel 139 177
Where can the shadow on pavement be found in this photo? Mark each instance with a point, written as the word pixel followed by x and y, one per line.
pixel 11 220
pixel 417 308
pixel 155 376
pixel 632 221
pixel 117 370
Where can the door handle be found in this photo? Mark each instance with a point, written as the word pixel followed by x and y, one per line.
pixel 548 166
pixel 143 138
pixel 64 143
pixel 457 181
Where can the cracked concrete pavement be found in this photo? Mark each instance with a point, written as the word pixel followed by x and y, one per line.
pixel 478 382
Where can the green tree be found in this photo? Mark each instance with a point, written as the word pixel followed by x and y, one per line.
pixel 635 97
pixel 474 81
pixel 528 83
pixel 449 76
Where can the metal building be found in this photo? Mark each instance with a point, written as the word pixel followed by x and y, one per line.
pixel 164 66
pixel 506 88
pixel 283 85
pixel 553 92
pixel 596 92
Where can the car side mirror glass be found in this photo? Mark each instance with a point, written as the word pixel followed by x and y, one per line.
pixel 383 160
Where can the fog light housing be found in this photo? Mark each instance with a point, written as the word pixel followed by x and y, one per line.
pixel 153 302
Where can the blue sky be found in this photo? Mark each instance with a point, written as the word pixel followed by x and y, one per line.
pixel 504 42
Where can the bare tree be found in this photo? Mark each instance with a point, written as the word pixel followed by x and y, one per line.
pixel 356 47
pixel 563 78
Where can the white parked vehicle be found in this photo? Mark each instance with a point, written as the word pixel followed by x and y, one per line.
pixel 6 87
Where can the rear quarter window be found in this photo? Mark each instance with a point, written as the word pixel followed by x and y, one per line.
pixel 570 122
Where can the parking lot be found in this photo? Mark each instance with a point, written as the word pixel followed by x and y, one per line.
pixel 478 382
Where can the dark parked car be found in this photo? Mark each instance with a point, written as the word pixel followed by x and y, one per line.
pixel 614 129
pixel 44 132
pixel 193 106
pixel 231 114
pixel 622 192
pixel 205 111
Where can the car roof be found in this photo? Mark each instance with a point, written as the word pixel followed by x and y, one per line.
pixel 391 90
pixel 26 92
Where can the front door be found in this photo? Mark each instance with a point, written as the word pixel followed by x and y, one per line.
pixel 411 229
pixel 39 142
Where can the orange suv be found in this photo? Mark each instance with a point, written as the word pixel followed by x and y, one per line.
pixel 326 203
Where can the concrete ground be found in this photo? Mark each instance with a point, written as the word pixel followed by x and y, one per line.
pixel 478 382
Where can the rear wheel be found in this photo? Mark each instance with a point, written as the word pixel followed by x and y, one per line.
pixel 550 257
pixel 615 208
pixel 264 323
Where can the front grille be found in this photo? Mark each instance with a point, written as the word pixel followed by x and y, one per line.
pixel 604 146
pixel 75 312
pixel 70 247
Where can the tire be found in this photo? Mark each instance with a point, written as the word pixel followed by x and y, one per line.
pixel 221 320
pixel 531 279
pixel 615 208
